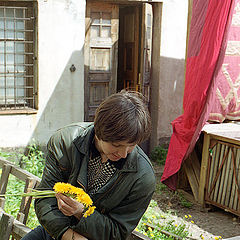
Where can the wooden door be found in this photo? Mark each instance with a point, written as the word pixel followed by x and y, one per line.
pixel 100 70
pixel 146 54
pixel 130 21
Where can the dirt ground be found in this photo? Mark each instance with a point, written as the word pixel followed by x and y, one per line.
pixel 207 222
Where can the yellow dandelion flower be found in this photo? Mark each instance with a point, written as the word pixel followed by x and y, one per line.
pixel 149 221
pixel 73 190
pixel 192 221
pixel 189 216
pixel 186 216
pixel 137 229
pixel 60 187
pixel 176 225
pixel 144 224
pixel 66 189
pixel 202 237
pixel 76 193
pixel 89 211
pixel 153 216
pixel 84 199
pixel 79 191
pixel 150 229
pixel 145 234
pixel 152 235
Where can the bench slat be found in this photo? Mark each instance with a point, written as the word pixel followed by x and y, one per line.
pixel 6 169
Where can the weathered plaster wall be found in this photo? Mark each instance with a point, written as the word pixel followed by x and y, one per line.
pixel 61 32
pixel 172 64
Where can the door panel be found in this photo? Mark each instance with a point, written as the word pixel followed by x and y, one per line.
pixel 100 51
pixel 100 59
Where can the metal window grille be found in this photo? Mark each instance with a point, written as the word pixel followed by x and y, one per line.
pixel 17 85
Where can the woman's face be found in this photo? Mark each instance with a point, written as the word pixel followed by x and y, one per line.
pixel 115 150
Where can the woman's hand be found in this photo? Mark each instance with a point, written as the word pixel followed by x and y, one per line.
pixel 69 206
pixel 68 235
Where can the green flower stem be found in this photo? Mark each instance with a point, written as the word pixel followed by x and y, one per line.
pixel 35 193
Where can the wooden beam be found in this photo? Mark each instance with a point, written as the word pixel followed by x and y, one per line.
pixel 192 169
pixel 18 172
pixel 137 236
pixel 204 165
pixel 26 201
pixel 6 169
pixel 155 73
pixel 6 224
pixel 18 230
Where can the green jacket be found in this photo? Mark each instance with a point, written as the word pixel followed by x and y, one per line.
pixel 120 203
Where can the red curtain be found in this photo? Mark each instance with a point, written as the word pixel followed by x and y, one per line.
pixel 227 101
pixel 206 47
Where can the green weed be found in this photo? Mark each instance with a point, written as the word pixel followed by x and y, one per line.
pixel 159 154
pixel 183 201
pixel 160 187
pixel 33 162
pixel 153 225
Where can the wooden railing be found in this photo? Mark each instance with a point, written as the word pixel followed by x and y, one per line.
pixel 9 226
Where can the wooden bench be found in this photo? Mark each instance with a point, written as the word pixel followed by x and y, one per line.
pixel 214 174
pixel 9 226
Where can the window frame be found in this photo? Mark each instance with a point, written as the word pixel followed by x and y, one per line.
pixel 14 108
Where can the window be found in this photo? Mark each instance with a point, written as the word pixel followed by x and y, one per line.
pixel 101 25
pixel 18 75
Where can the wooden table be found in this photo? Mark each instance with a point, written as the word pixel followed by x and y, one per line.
pixel 220 167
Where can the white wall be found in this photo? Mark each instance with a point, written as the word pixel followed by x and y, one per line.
pixel 61 32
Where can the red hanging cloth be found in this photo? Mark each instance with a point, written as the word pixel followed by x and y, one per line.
pixel 206 48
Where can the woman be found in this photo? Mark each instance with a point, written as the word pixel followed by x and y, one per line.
pixel 105 160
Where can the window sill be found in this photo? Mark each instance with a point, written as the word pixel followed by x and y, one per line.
pixel 18 111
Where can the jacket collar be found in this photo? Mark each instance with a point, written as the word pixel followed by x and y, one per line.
pixel 83 142
pixel 130 164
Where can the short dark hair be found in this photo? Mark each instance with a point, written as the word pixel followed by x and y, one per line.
pixel 123 116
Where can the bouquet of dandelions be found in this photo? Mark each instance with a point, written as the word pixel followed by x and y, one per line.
pixel 66 189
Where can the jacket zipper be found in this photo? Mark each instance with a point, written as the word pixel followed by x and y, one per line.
pixel 119 178
pixel 82 186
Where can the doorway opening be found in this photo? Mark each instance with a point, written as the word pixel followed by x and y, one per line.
pixel 134 48
pixel 117 51
pixel 128 47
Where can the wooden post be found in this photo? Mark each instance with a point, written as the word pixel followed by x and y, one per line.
pixel 6 169
pixel 2 202
pixel 155 72
pixel 192 169
pixel 204 165
pixel 4 178
pixel 26 201
pixel 6 224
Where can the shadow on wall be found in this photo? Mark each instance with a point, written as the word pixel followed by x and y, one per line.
pixel 169 92
pixel 66 102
